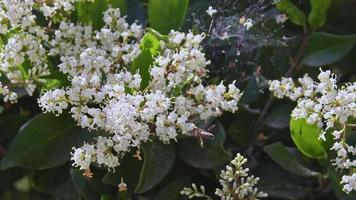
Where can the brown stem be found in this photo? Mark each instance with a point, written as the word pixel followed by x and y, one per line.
pixel 294 66
pixel 298 59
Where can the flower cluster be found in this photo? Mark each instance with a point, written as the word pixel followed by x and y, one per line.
pixel 24 55
pixel 235 181
pixel 194 191
pixel 107 92
pixel 328 106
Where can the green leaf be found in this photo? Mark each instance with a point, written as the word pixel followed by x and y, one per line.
pixel 240 129
pixel 9 176
pixel 157 34
pixel 294 13
pixel 24 68
pixel 123 195
pixel 107 197
pixel 90 188
pixel 135 11
pixel 326 48
pixel 52 83
pixel 92 12
pixel 129 170
pixel 165 15
pixel 158 160
pixel 179 89
pixel 317 16
pixel 1 43
pixel 56 78
pixel 43 142
pixel 280 154
pixel 172 190
pixel 255 87
pixel 279 117
pixel 66 191
pixel 47 181
pixel 149 47
pixel 212 154
pixel 10 125
pixel 305 136
pixel 279 183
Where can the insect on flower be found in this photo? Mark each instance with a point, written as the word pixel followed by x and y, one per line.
pixel 202 134
pixel 87 173
pixel 122 186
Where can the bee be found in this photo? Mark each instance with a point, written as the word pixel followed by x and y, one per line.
pixel 202 134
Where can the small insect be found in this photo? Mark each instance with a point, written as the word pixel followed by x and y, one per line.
pixel 87 173
pixel 202 134
pixel 138 154
pixel 122 186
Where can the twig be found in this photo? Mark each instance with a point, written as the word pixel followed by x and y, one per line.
pixel 295 65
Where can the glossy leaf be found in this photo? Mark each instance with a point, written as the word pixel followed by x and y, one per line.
pixel 326 48
pixel 280 154
pixel 123 195
pixel 255 87
pixel 317 16
pixel 305 136
pixel 1 42
pixel 92 12
pixel 279 117
pixel 43 142
pixel 135 12
pixel 172 190
pixel 212 154
pixel 10 125
pixel 52 83
pixel 165 15
pixel 149 47
pixel 107 197
pixel 129 170
pixel 56 78
pixel 240 129
pixel 158 160
pixel 49 180
pixel 294 13
pixel 9 176
pixel 90 188
pixel 281 184
pixel 179 89
pixel 66 191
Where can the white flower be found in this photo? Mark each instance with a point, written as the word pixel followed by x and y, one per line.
pixel 349 183
pixel 248 24
pixel 235 183
pixel 47 11
pixel 281 18
pixel 325 105
pixel 82 157
pixel 211 11
pixel 53 101
pixel 102 92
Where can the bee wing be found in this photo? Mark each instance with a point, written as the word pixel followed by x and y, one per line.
pixel 211 128
pixel 206 135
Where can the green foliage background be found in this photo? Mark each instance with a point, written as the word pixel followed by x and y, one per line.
pixel 286 154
